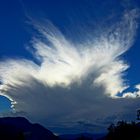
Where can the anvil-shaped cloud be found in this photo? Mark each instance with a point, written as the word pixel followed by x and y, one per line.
pixel 72 81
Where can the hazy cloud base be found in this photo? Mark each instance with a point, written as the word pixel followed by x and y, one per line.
pixel 73 85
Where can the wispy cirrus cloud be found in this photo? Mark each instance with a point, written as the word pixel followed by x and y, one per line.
pixel 72 82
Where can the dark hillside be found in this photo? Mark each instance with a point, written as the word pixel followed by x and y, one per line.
pixel 19 128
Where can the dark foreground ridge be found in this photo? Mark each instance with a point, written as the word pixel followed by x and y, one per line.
pixel 19 128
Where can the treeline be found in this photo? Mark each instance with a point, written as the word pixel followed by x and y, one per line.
pixel 124 131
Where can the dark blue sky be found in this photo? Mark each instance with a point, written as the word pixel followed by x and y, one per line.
pixel 16 32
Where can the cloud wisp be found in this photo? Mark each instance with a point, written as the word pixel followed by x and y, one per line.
pixel 71 81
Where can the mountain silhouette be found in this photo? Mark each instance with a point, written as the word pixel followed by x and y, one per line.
pixel 19 128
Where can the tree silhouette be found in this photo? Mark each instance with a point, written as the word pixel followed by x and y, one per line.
pixel 123 130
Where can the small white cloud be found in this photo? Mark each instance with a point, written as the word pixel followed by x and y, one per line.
pixel 133 94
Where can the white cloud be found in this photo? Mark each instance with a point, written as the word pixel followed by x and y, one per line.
pixel 133 94
pixel 73 81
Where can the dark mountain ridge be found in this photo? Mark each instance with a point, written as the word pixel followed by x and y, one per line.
pixel 19 128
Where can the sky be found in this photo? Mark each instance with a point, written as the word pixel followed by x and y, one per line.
pixel 71 65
